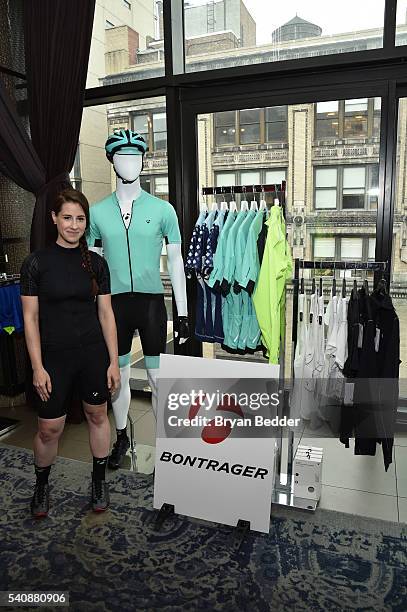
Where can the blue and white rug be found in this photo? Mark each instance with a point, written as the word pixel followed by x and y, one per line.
pixel 319 562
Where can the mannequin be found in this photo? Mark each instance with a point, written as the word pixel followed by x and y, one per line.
pixel 137 294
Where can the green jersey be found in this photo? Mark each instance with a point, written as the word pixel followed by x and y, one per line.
pixel 133 253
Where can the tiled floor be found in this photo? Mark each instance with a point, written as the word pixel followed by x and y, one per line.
pixel 354 484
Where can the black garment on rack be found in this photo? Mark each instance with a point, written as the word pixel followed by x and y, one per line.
pixel 375 370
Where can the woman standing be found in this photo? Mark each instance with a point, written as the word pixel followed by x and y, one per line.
pixel 72 342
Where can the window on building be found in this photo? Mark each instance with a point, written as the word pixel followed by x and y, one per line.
pixel 249 126
pixel 344 248
pixel 156 184
pixel 354 185
pixel 355 118
pixel 276 124
pixel 153 127
pixel 225 128
pixel 327 120
pixel 324 247
pixel 326 180
pixel 351 249
pixel 160 131
pixel 141 124
pixel 347 187
pixel 250 177
pixel 275 177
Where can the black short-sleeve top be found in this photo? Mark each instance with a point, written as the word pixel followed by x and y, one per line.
pixel 67 309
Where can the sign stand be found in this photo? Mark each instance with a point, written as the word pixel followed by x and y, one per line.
pixel 164 512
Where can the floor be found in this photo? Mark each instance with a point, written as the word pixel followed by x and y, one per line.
pixel 354 484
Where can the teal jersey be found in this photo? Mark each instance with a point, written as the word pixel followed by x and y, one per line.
pixel 250 262
pixel 229 258
pixel 241 241
pixel 133 254
pixel 219 257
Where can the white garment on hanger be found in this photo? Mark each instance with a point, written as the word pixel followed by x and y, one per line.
pixel 296 394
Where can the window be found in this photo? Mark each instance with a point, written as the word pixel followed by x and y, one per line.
pixel 344 248
pixel 347 187
pixel 249 128
pixel 354 180
pixel 355 118
pixel 276 124
pixel 225 179
pixel 155 184
pixel 275 177
pixel 327 120
pixel 401 22
pixel 153 127
pixel 250 177
pixel 225 128
pixel 325 187
pixel 351 249
pixel 228 34
pixel 324 248
pixel 109 24
pixel 160 131
pixel 141 124
pixel 350 119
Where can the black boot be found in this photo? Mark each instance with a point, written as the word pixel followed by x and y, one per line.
pixel 119 450
pixel 100 495
pixel 40 500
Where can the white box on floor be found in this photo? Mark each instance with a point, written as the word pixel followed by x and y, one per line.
pixel 307 475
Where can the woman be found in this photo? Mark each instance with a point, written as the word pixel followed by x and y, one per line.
pixel 71 338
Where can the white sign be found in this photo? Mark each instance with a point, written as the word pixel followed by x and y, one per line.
pixel 220 473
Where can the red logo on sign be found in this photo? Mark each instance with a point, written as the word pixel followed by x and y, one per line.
pixel 213 433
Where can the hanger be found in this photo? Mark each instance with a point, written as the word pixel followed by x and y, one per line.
pixel 232 203
pixel 244 204
pixel 354 293
pixel 344 283
pixel 302 287
pixel 381 288
pixel 223 204
pixel 253 203
pixel 214 205
pixel 263 203
pixel 334 281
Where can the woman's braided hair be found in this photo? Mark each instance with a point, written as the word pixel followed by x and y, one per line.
pixel 73 195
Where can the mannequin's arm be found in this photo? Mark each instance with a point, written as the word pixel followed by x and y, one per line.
pixel 177 275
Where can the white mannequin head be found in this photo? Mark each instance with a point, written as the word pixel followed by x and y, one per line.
pixel 128 167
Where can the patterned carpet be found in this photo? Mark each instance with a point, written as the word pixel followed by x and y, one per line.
pixel 321 562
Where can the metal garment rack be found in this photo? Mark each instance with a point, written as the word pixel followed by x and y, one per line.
pixel 278 188
pixel 283 489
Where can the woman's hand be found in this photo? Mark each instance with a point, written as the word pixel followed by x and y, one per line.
pixel 42 383
pixel 113 378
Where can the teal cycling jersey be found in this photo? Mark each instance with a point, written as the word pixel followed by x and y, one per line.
pixel 133 254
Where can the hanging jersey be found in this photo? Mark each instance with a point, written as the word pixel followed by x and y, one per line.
pixel 133 253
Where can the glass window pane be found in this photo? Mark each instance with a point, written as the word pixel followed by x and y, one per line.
pixel 275 176
pixel 354 177
pixel 140 125
pixel 225 118
pixel 355 126
pixel 224 179
pixel 330 107
pixel 276 113
pixel 249 177
pixel 371 248
pixel 351 248
pixel 230 33
pixel 327 128
pixel 324 247
pixel 326 177
pixel 160 141
pixel 276 131
pixel 224 136
pixel 358 104
pixel 127 43
pixel 250 116
pixel 401 21
pixel 159 122
pixel 249 133
pixel 161 185
pixel 325 198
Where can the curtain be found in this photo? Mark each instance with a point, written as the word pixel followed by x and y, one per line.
pixel 57 43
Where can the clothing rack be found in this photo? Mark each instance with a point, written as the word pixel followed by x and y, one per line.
pixel 9 279
pixel 232 189
pixel 283 491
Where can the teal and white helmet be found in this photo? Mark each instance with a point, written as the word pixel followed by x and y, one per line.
pixel 125 141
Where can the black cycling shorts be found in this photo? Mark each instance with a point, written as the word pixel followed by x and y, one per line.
pixel 145 312
pixel 83 369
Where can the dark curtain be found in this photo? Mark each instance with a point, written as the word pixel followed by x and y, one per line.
pixel 57 43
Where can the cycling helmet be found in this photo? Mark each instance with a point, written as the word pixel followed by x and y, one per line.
pixel 125 141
